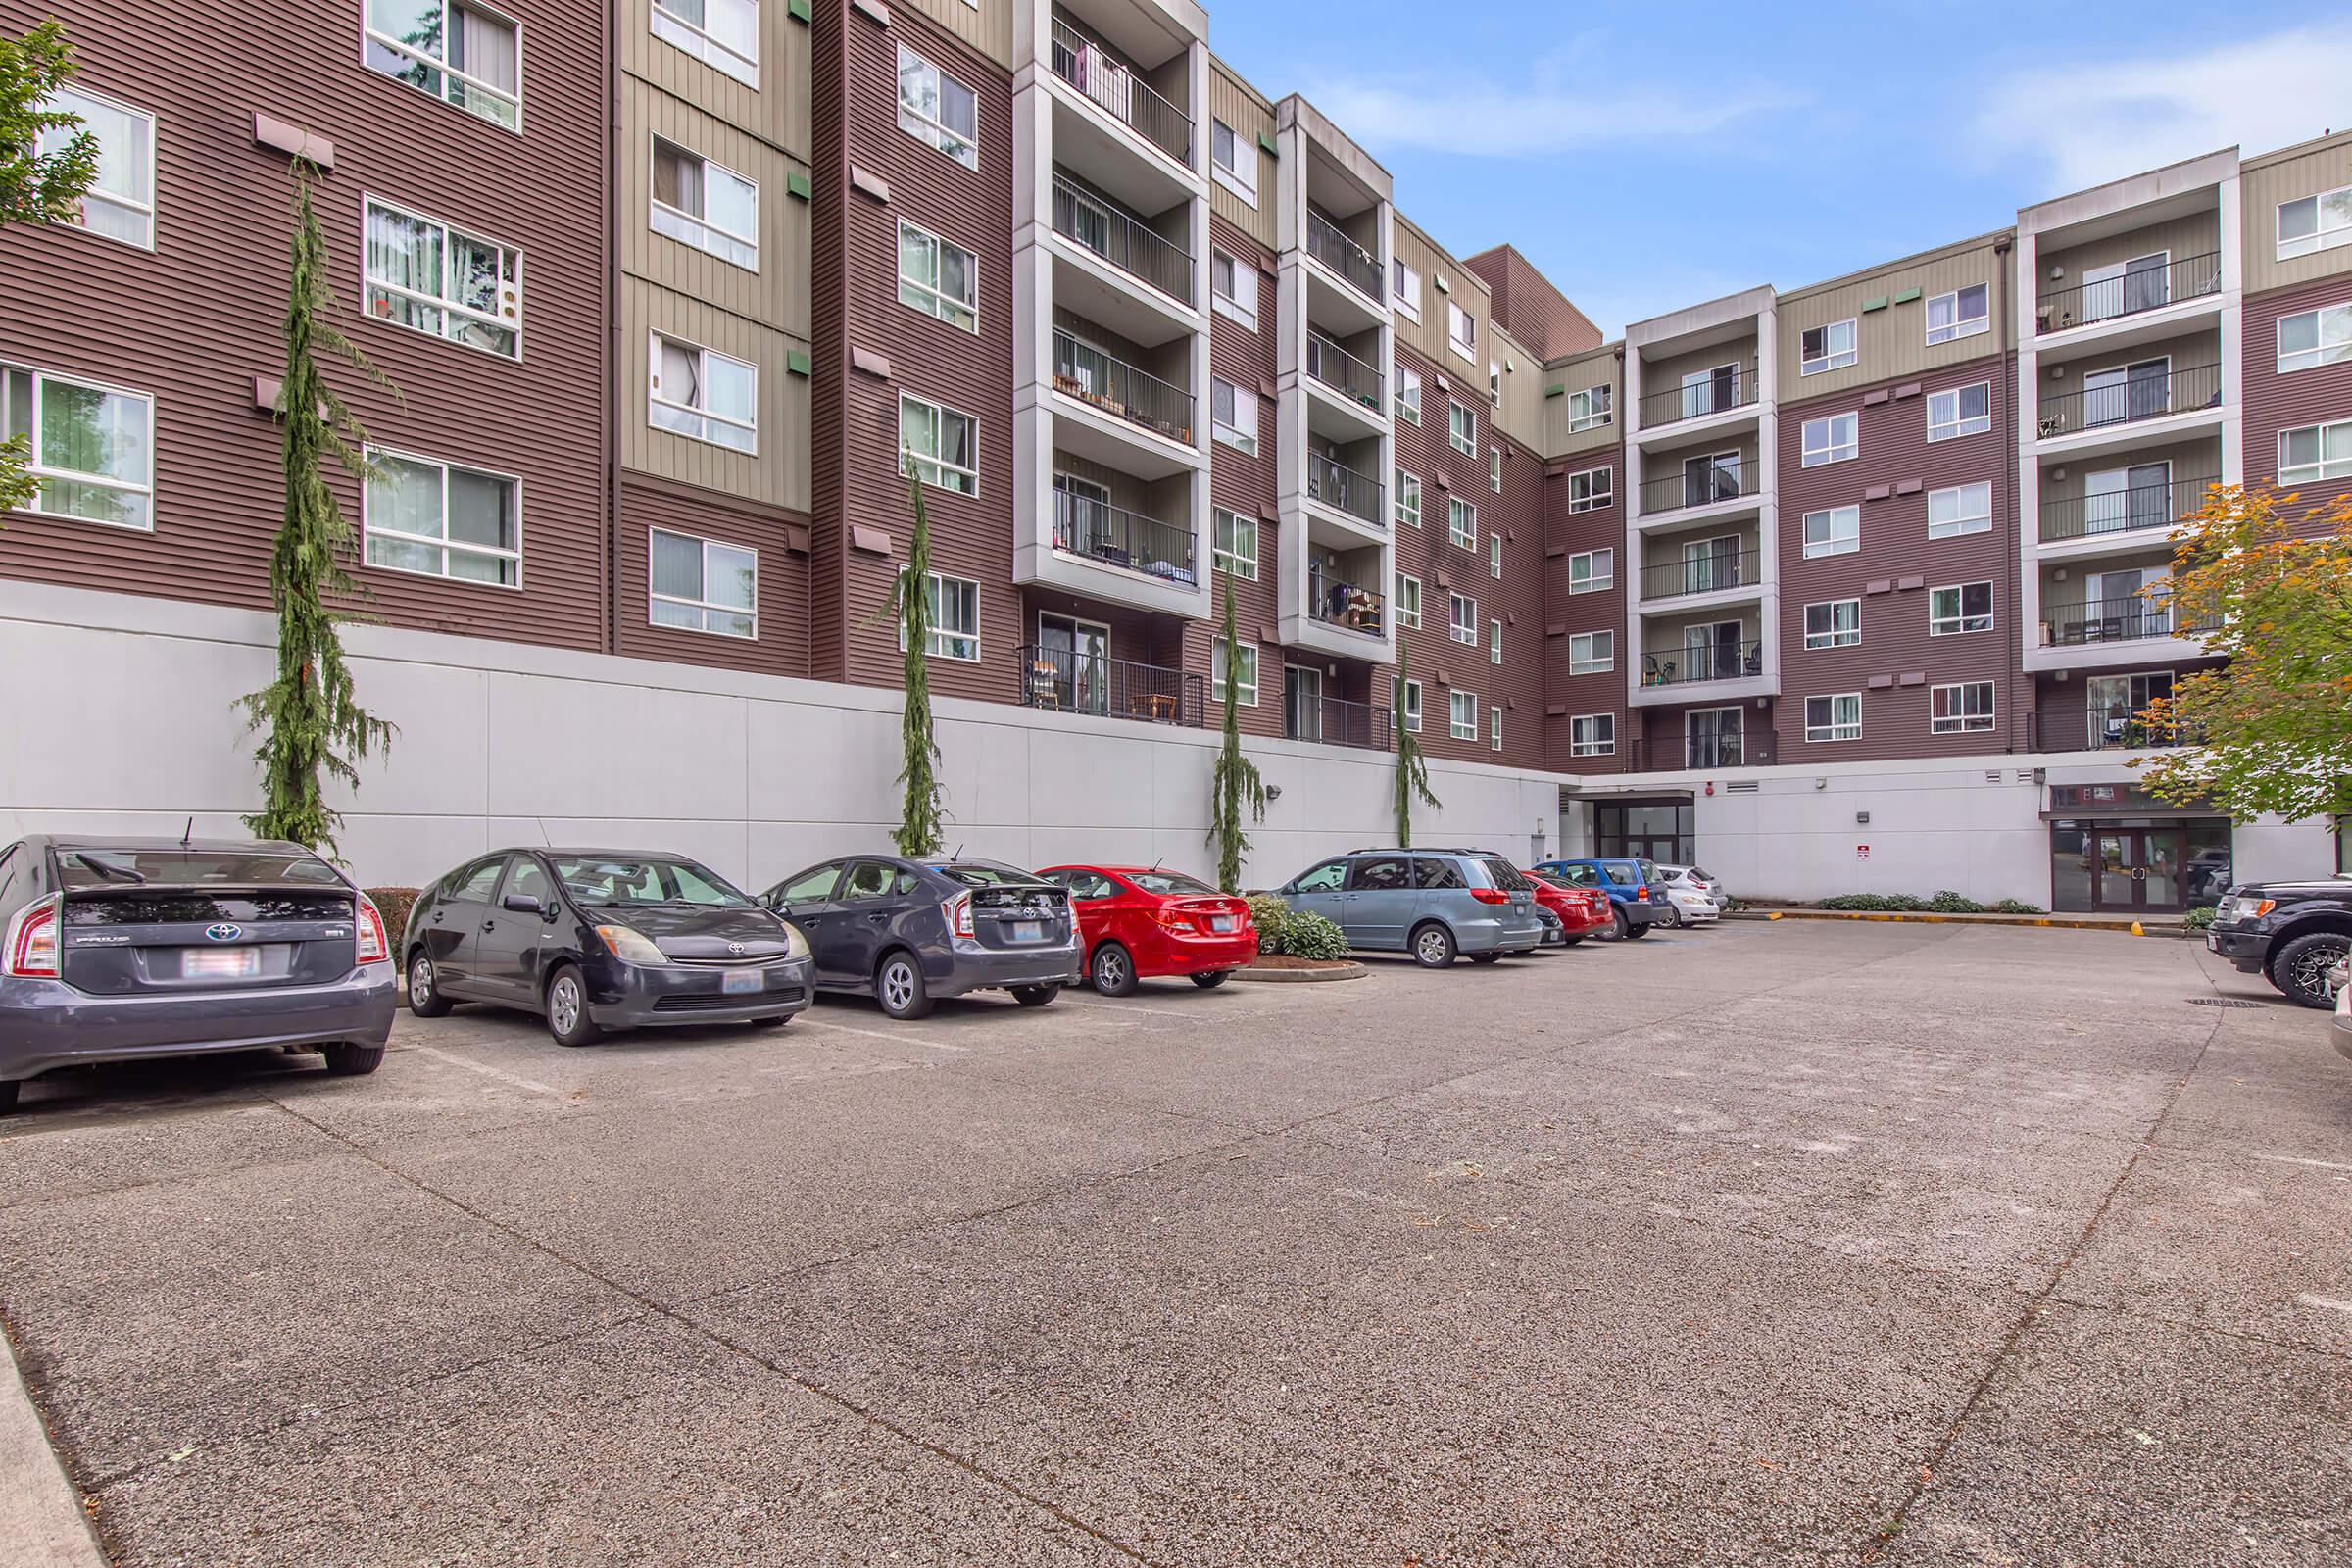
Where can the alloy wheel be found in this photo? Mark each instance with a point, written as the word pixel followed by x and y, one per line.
pixel 2312 967
pixel 897 984
pixel 1433 947
pixel 1111 970
pixel 564 1005
pixel 420 981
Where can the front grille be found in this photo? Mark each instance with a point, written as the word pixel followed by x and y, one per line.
pixel 709 1002
pixel 768 962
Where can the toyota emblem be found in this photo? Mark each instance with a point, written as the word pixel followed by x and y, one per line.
pixel 222 932
pixel 734 947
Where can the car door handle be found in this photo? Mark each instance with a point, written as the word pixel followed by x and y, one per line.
pixel 489 925
pixel 877 919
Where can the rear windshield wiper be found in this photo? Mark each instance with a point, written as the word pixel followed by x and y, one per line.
pixel 106 868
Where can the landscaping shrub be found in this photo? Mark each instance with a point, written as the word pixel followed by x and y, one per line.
pixel 2199 918
pixel 1310 936
pixel 2015 906
pixel 1946 901
pixel 394 903
pixel 1269 914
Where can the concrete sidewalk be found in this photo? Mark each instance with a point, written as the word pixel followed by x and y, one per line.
pixel 41 1523
pixel 2125 924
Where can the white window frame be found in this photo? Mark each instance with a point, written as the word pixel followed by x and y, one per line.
pixel 368 531
pixel 1833 543
pixel 1593 401
pixel 1495 469
pixel 1456 510
pixel 1595 498
pixel 932 460
pixel 1462 619
pixel 1831 357
pixel 1244 681
pixel 1457 320
pixel 1245 157
pixel 1407 696
pixel 1409 514
pixel 1961 721
pixel 655 398
pixel 2322 316
pixel 1601 571
pixel 1495 554
pixel 450 73
pixel 145 210
pixel 1494 729
pixel 1493 640
pixel 1408 299
pixel 701 44
pixel 699 232
pixel 1969 326
pixel 1833 637
pixel 1244 441
pixel 2325 467
pixel 1408 394
pixel 1830 449
pixel 934 134
pixel 1835 729
pixel 705 606
pixel 1229 557
pixel 1959 424
pixel 1408 605
pixel 1598 656
pixel 449 308
pixel 942 306
pixel 1465 444
pixel 1962 522
pixel 1600 735
pixel 1958 622
pixel 1454 705
pixel 2322 237
pixel 940 638
pixel 1231 306
pixel 38 470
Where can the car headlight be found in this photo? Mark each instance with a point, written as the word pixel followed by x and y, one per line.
pixel 799 948
pixel 630 945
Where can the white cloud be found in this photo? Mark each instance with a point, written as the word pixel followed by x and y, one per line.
pixel 2090 124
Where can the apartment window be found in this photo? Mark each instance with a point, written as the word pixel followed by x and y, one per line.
pixel 1592 489
pixel 1461 428
pixel 1589 409
pixel 702 585
pixel 2315 452
pixel 443 520
pixel 1837 531
pixel 1233 160
pixel 723 35
pixel 1832 438
pixel 1408 601
pixel 1494 383
pixel 1462 715
pixel 1408 694
pixel 1827 348
pixel 1963 313
pixel 955 606
pixel 939 445
pixel 1592 571
pixel 1495 469
pixel 2315 223
pixel 1406 286
pixel 1233 417
pixel 1408 500
pixel 702 204
pixel 121 201
pixel 937 108
pixel 1463 614
pixel 1962 607
pixel 1461 332
pixel 1408 394
pixel 1233 287
pixel 1833 718
pixel 1461 523
pixel 2312 338
pixel 428 276
pixel 92 447
pixel 1593 735
pixel 704 395
pixel 1495 729
pixel 1962 508
pixel 1235 544
pixel 1245 674
pixel 458 52
pixel 1591 652
pixel 1493 642
pixel 1494 556
pixel 1965 709
pixel 1960 411
pixel 1833 624
pixel 937 278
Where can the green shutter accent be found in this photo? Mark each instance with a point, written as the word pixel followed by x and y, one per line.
pixel 796 362
pixel 1555 390
pixel 1906 295
pixel 797 183
pixel 1877 303
pixel 1267 142
pixel 798 10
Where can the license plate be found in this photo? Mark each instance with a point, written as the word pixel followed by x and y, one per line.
pixel 220 963
pixel 734 982
pixel 1220 922
pixel 1027 931
pixel 2212 944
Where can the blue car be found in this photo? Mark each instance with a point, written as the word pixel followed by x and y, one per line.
pixel 1636 896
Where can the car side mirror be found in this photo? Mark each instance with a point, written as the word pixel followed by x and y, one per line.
pixel 525 903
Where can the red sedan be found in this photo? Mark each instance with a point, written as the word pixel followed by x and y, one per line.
pixel 1581 910
pixel 1140 923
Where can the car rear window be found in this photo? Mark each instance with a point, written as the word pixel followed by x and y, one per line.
pixel 984 874
pixel 618 881
pixel 1504 874
pixel 1700 874
pixel 96 866
pixel 1173 882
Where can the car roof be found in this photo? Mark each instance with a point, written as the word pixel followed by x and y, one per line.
pixel 84 841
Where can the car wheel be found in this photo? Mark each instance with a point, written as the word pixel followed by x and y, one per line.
pixel 1570 942
pixel 1035 995
pixel 1112 971
pixel 1486 957
pixel 1211 980
pixel 8 1096
pixel 2300 967
pixel 347 1060
pixel 567 1009
pixel 771 1023
pixel 1673 917
pixel 1634 933
pixel 1432 947
pixel 899 986
pixel 426 999
pixel 1621 923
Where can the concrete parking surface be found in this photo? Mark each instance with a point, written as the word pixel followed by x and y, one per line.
pixel 1773 1243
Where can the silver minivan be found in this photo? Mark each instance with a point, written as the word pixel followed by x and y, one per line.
pixel 1431 903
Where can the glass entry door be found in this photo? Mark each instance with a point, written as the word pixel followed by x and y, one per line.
pixel 2136 869
pixel 1077 653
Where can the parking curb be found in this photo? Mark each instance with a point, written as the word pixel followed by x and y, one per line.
pixel 2058 922
pixel 1352 971
pixel 41 1520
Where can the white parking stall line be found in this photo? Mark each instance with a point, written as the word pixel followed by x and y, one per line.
pixel 2315 1164
pixel 499 1074
pixel 881 1033
pixel 1120 1007
pixel 2328 1303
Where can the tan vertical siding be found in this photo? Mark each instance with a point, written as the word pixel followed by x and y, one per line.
pixel 778 475
pixel 776 111
pixel 1233 101
pixel 1520 413
pixel 1601 366
pixel 1893 341
pixel 777 291
pixel 2267 182
pixel 1464 287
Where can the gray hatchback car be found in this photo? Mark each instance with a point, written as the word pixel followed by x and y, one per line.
pixel 1429 902
pixel 119 948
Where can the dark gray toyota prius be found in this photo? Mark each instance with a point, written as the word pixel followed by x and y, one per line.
pixel 117 948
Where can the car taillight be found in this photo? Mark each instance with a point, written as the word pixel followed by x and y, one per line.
pixel 32 941
pixel 958 912
pixel 373 948
pixel 1641 892
pixel 1490 895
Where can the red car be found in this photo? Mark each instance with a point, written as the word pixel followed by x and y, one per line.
pixel 1140 923
pixel 1581 910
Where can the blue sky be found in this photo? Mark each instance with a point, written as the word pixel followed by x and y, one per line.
pixel 1649 156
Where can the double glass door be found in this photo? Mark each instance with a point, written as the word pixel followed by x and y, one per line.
pixel 2137 868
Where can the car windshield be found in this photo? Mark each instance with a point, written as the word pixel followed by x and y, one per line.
pixel 1172 882
pixel 99 866
pixel 611 881
pixel 983 874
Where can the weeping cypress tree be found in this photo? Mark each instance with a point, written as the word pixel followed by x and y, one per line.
pixel 1412 773
pixel 313 725
pixel 1235 786
pixel 918 831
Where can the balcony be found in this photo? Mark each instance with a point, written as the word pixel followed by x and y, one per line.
pixel 2100 728
pixel 2129 293
pixel 1760 749
pixel 1121 239
pixel 2116 620
pixel 1737 387
pixel 1701 574
pixel 1342 489
pixel 1334 602
pixel 1698 664
pixel 1116 537
pixel 2130 397
pixel 1356 265
pixel 1699 483
pixel 1068 681
pixel 2133 510
pixel 1119 93
pixel 1357 380
pixel 1334 720
pixel 1103 381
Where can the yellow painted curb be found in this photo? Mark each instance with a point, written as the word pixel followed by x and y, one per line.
pixel 2059 922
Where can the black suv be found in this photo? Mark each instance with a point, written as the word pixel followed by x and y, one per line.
pixel 2293 933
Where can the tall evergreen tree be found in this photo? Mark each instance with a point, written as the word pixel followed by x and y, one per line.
pixel 1412 772
pixel 313 726
pixel 1235 786
pixel 47 163
pixel 918 831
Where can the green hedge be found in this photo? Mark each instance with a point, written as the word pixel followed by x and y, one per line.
pixel 1946 902
pixel 1310 936
pixel 394 903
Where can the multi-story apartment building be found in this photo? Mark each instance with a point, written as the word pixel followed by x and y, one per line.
pixel 1833 587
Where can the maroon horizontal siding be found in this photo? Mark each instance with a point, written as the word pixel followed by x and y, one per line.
pixel 2273 402
pixel 1568 533
pixel 1529 307
pixel 781 538
pixel 1246 486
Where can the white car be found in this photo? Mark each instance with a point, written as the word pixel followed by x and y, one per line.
pixel 1693 896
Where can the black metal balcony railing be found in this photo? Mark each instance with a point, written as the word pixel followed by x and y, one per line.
pixel 1334 720
pixel 1120 239
pixel 1335 484
pixel 1070 681
pixel 1698 486
pixel 1695 662
pixel 2126 511
pixel 1335 603
pixel 1116 387
pixel 2117 621
pixel 1343 255
pixel 2100 729
pixel 2151 396
pixel 1703 574
pixel 1117 537
pixel 1086 66
pixel 1342 372
pixel 1736 387
pixel 2147 289
pixel 1750 749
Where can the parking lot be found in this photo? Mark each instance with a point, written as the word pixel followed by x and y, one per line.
pixel 1781 1244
